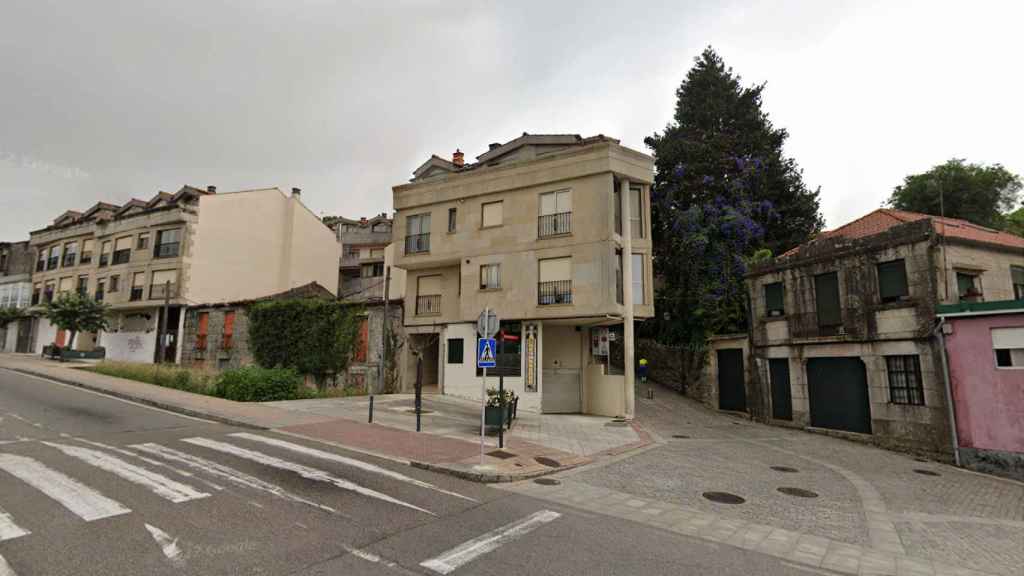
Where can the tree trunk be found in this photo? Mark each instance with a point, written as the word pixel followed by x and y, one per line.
pixel 71 339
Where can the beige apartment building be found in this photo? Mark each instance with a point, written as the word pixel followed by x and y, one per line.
pixel 543 230
pixel 150 260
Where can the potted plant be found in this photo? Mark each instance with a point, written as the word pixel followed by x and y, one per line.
pixel 499 409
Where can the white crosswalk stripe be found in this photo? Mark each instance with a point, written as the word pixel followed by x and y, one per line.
pixel 5 568
pixel 221 471
pixel 469 551
pixel 304 471
pixel 331 457
pixel 8 529
pixel 81 500
pixel 157 483
pixel 149 461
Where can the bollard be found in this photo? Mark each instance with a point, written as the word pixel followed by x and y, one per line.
pixel 371 410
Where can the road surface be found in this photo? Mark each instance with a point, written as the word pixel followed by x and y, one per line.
pixel 91 484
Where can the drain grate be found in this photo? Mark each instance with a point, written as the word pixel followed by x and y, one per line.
pixel 724 498
pixel 798 492
pixel 927 472
pixel 547 462
pixel 684 436
pixel 547 482
pixel 501 454
pixel 788 469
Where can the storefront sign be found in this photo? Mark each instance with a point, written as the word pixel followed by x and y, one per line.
pixel 531 358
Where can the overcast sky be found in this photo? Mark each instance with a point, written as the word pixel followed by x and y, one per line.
pixel 112 100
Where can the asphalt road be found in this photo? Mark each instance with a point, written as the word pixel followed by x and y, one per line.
pixel 91 484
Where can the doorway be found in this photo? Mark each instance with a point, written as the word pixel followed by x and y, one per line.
pixel 732 394
pixel 560 370
pixel 837 390
pixel 782 397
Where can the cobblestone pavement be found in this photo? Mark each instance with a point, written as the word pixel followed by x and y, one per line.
pixel 872 514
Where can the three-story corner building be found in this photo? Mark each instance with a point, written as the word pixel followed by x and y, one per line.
pixel 551 232
pixel 844 327
pixel 15 292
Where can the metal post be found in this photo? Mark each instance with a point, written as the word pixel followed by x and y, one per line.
pixel 382 369
pixel 483 402
pixel 950 406
pixel 419 388
pixel 162 335
pixel 501 394
pixel 370 419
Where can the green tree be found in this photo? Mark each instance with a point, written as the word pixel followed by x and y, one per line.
pixel 76 313
pixel 1015 222
pixel 974 192
pixel 8 315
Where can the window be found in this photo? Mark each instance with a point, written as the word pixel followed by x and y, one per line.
pixel 490 214
pixel 619 298
pixel 48 289
pixel 905 380
pixel 1017 277
pixel 352 252
pixel 452 219
pixel 138 286
pixel 168 244
pixel 509 357
pixel 37 290
pixel 968 287
pixel 3 261
pixel 892 281
pixel 638 279
pixel 774 299
pixel 105 253
pixel 64 285
pixel 555 286
pixel 617 208
pixel 83 286
pixel 826 297
pixel 636 212
pixel 227 339
pixel 100 284
pixel 87 246
pixel 143 241
pixel 41 262
pixel 54 260
pixel 122 250
pixel 428 295
pixel 1008 344
pixel 417 234
pixel 455 350
pixel 202 329
pixel 372 270
pixel 70 254
pixel 376 252
pixel 555 214
pixel 115 283
pixel 162 284
pixel 490 277
pixel 362 341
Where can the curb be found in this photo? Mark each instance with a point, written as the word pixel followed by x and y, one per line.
pixel 490 478
pixel 141 400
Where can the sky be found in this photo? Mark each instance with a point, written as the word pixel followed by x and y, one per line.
pixel 110 100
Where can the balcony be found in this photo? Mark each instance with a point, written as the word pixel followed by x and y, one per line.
pixel 161 291
pixel 417 243
pixel 554 224
pixel 166 250
pixel 122 256
pixel 136 294
pixel 556 292
pixel 428 305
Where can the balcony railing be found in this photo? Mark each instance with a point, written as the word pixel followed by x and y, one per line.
pixel 417 243
pixel 166 250
pixel 122 256
pixel 428 304
pixel 69 260
pixel 161 291
pixel 86 258
pixel 556 292
pixel 554 224
pixel 136 293
pixel 104 260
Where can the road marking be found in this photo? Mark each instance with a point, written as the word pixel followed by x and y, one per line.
pixel 8 529
pixel 168 545
pixel 469 551
pixel 304 471
pixel 157 483
pixel 81 500
pixel 149 461
pixel 5 568
pixel 366 466
pixel 225 472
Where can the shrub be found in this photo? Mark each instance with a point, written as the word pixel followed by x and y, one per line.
pixel 168 376
pixel 256 384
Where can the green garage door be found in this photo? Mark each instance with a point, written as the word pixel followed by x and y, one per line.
pixel 837 390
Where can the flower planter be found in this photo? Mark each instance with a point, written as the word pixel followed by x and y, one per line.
pixel 492 415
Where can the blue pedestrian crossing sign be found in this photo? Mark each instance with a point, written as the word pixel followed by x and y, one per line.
pixel 485 349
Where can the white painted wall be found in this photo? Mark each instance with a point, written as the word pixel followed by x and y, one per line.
pixel 46 333
pixel 461 380
pixel 130 346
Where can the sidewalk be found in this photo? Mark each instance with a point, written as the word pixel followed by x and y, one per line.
pixel 449 441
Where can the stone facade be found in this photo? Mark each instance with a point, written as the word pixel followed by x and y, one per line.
pixel 364 369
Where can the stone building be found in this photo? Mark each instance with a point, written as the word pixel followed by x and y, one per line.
pixel 843 328
pixel 15 292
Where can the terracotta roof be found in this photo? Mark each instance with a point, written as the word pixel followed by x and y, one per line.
pixel 885 218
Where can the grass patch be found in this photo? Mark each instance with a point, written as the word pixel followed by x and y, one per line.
pixel 168 376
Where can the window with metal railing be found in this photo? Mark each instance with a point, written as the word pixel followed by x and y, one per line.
pixel 554 224
pixel 168 244
pixel 52 263
pixel 136 293
pixel 554 292
pixel 161 291
pixel 417 243
pixel 428 304
pixel 417 234
pixel 122 256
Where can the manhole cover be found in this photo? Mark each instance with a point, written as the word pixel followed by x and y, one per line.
pixel 798 492
pixel 501 454
pixel 927 472
pixel 547 462
pixel 547 482
pixel 680 436
pixel 784 469
pixel 723 498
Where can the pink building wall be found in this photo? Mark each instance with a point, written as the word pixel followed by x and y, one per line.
pixel 989 401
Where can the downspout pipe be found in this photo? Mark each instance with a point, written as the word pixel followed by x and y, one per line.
pixel 950 409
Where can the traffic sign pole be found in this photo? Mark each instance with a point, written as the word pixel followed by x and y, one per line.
pixel 483 389
pixel 486 327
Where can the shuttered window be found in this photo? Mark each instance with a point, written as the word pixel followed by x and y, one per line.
pixel 491 214
pixel 428 286
pixel 161 277
pixel 1017 274
pixel 892 281
pixel 638 278
pixel 227 340
pixel 455 350
pixel 774 300
pixel 826 295
pixel 555 269
pixel 1009 347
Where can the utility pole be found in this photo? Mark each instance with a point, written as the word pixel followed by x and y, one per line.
pixel 163 333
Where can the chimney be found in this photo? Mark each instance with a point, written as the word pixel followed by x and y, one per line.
pixel 493 145
pixel 362 220
pixel 458 158
pixel 297 193
pixel 211 189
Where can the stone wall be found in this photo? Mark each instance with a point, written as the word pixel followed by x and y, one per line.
pixel 215 356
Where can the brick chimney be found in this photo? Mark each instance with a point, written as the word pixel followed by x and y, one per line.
pixel 211 189
pixel 458 158
pixel 297 193
pixel 362 220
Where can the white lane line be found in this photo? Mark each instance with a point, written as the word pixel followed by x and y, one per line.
pixel 346 461
pixel 5 568
pixel 149 461
pixel 168 545
pixel 225 472
pixel 157 483
pixel 469 551
pixel 8 529
pixel 81 500
pixel 304 471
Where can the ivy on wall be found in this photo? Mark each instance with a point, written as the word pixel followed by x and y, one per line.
pixel 313 336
